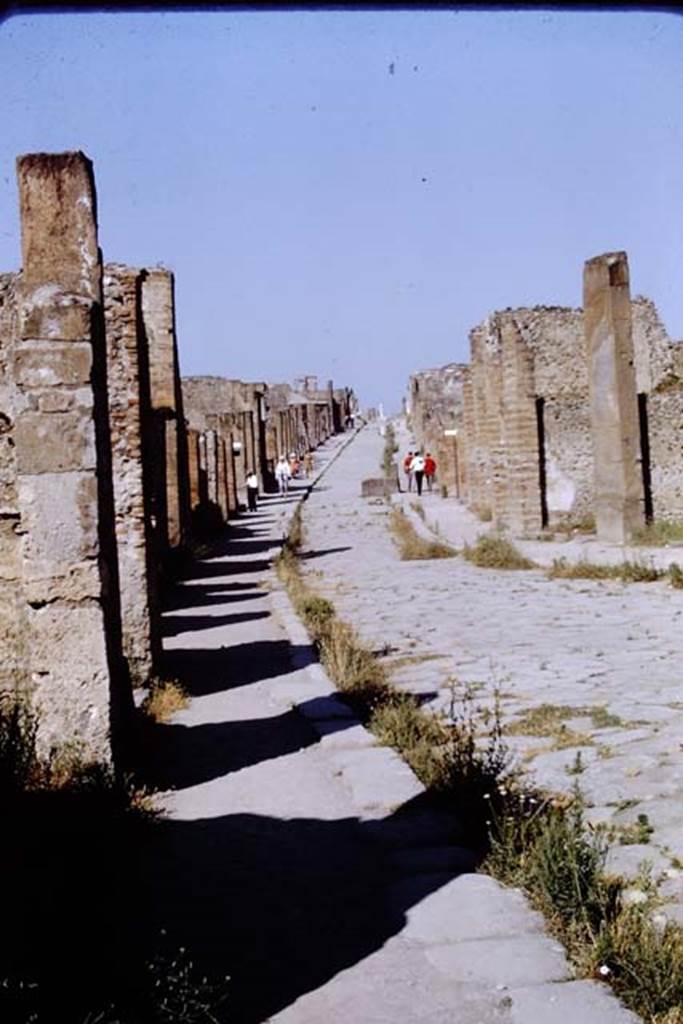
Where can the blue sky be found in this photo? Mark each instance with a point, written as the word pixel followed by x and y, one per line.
pixel 347 193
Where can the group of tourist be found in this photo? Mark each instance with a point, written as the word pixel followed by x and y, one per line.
pixel 288 468
pixel 419 467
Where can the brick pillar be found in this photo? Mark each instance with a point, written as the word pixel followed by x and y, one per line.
pixel 64 483
pixel 158 309
pixel 522 511
pixel 130 423
pixel 614 407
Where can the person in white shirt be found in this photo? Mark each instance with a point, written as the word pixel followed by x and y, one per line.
pixel 252 490
pixel 417 468
pixel 283 474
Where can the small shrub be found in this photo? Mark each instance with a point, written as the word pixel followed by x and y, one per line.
pixel 413 547
pixel 20 767
pixel 165 697
pixel 676 576
pixel 494 552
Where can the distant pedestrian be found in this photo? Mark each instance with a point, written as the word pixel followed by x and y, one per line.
pixel 430 470
pixel 417 468
pixel 283 474
pixel 294 463
pixel 309 464
pixel 408 469
pixel 252 490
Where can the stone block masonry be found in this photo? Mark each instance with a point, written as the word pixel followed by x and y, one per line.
pixel 67 592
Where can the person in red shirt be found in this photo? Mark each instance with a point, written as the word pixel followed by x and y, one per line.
pixel 430 470
pixel 407 469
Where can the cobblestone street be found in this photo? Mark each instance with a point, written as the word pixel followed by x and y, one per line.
pixel 609 649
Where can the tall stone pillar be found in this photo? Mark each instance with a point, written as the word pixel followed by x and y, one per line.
pixel 619 508
pixel 64 484
pixel 222 481
pixel 211 456
pixel 233 497
pixel 130 424
pixel 158 310
pixel 193 466
pixel 332 420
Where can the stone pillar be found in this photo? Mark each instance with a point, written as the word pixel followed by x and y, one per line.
pixel 64 484
pixel 332 420
pixel 614 405
pixel 211 456
pixel 233 497
pixel 222 481
pixel 203 473
pixel 130 423
pixel 193 466
pixel 159 321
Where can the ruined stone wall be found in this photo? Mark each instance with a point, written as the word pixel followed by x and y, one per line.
pixel 555 338
pixel 659 376
pixel 436 404
pixel 13 635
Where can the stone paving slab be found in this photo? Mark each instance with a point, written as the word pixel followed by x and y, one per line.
pixel 471 907
pixel 564 1004
pixel 502 963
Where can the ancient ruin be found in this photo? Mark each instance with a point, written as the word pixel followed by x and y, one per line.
pixel 109 464
pixel 563 418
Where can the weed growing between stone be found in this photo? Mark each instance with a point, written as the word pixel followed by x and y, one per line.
pixel 494 552
pixel 165 697
pixel 659 533
pixel 676 576
pixel 70 946
pixel 628 571
pixel 525 837
pixel 411 545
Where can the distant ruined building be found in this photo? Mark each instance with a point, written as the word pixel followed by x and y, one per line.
pixel 110 464
pixel 563 417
